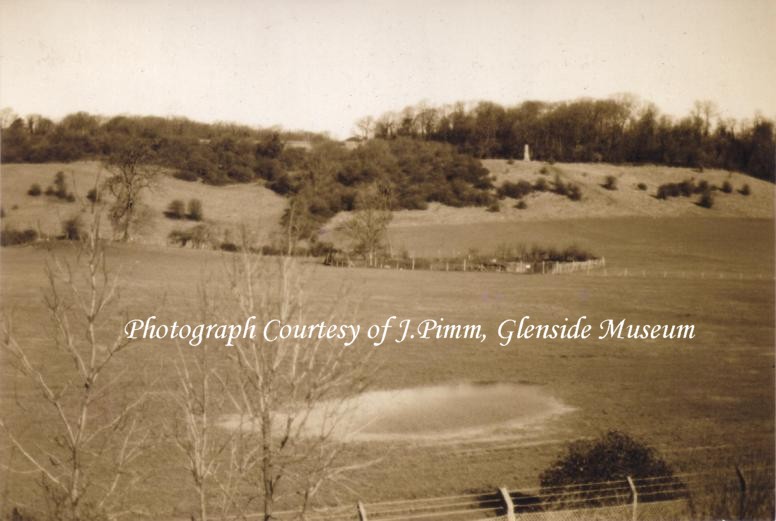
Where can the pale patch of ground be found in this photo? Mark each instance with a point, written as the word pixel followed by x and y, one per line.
pixel 434 414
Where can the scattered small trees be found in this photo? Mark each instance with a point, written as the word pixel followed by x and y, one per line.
pixel 58 189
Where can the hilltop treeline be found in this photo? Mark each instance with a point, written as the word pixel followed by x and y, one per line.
pixel 612 130
pixel 326 175
pixel 217 153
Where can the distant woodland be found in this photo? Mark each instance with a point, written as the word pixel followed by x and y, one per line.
pixel 615 130
pixel 418 155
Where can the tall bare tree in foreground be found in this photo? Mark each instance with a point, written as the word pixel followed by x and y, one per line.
pixel 289 397
pixel 88 433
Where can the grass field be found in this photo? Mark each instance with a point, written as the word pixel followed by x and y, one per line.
pixel 713 391
pixel 699 401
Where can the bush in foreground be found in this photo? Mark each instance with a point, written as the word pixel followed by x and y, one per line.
pixel 614 456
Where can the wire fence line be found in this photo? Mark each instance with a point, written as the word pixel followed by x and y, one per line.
pixel 591 267
pixel 653 498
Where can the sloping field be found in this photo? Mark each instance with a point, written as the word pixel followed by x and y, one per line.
pixel 225 207
pixel 627 201
pixel 228 207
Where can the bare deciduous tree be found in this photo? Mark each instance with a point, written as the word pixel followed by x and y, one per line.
pixel 90 432
pixel 199 396
pixel 367 227
pixel 132 172
pixel 289 396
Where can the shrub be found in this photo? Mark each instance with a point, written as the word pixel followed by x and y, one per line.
pixel 494 206
pixel 727 187
pixel 521 205
pixel 510 161
pixel 514 190
pixel 558 186
pixel 229 246
pixel 544 171
pixel 199 236
pixel 34 190
pixel 541 185
pixel 195 210
pixel 176 209
pixel 706 200
pixel 93 196
pixel 72 228
pixel 179 237
pixel 573 192
pixel 702 186
pixel 612 457
pixel 641 186
pixel 610 183
pixel 13 237
pixel 185 175
pixel 686 188
pixel 745 190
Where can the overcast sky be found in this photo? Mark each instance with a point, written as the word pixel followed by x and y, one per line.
pixel 320 65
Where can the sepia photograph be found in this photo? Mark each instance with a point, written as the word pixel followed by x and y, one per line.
pixel 387 260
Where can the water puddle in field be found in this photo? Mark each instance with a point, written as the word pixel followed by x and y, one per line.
pixel 439 413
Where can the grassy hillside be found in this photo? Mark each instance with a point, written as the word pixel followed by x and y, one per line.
pixel 225 207
pixel 627 200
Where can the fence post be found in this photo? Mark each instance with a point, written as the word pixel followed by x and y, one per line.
pixel 361 512
pixel 635 496
pixel 508 504
pixel 742 487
